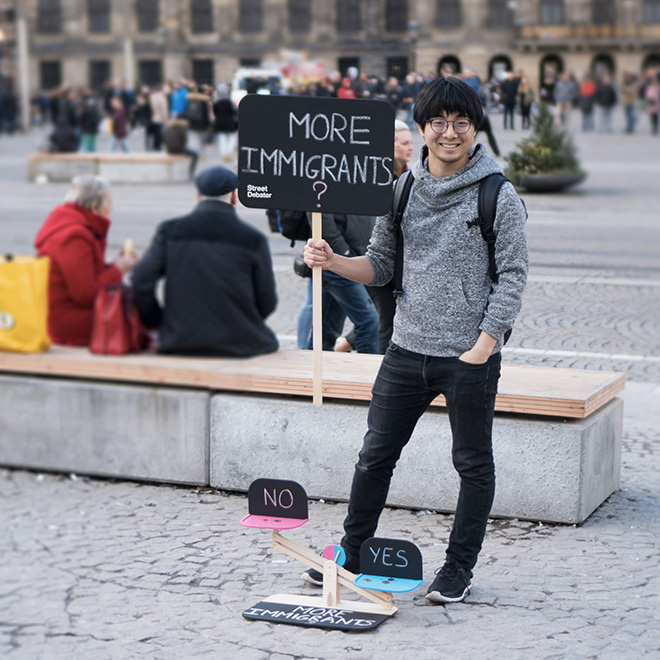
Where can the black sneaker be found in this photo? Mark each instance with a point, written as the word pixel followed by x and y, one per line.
pixel 312 576
pixel 451 585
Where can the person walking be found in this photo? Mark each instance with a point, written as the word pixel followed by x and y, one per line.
pixel 119 125
pixel 606 99
pixel 629 95
pixel 90 118
pixel 159 116
pixel 566 92
pixel 652 97
pixel 225 118
pixel 509 91
pixel 525 101
pixel 587 101
pixel 450 324
pixel 345 91
pixel 409 91
pixel 348 235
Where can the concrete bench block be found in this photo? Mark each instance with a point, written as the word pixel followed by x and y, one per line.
pixel 547 469
pixel 115 167
pixel 122 431
pixel 145 171
pixel 60 170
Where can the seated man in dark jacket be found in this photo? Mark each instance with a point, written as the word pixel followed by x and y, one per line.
pixel 219 282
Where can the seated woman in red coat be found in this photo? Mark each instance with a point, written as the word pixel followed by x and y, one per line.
pixel 74 237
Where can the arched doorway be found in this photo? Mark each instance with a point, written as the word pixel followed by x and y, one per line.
pixel 449 63
pixel 603 64
pixel 651 61
pixel 549 68
pixel 498 66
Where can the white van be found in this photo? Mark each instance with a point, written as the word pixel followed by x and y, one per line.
pixel 240 80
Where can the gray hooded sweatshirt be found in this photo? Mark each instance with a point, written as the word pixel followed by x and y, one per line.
pixel 448 297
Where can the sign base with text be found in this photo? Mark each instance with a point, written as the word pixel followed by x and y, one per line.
pixel 310 612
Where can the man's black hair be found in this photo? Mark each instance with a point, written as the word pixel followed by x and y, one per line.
pixel 446 96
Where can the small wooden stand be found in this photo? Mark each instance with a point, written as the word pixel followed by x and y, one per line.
pixel 276 504
pixel 334 577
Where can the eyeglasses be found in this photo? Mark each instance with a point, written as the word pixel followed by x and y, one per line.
pixel 441 125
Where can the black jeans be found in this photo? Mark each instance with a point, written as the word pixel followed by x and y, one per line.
pixel 406 384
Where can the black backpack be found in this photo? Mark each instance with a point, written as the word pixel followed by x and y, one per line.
pixel 291 224
pixel 489 190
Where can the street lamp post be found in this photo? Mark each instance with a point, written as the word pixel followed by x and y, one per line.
pixel 128 52
pixel 22 60
pixel 413 33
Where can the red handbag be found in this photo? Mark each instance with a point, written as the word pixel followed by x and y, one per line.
pixel 116 325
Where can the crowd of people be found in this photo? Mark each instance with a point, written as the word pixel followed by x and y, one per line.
pixel 596 98
pixel 183 117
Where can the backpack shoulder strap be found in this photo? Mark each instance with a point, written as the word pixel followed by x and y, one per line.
pixel 401 194
pixel 489 190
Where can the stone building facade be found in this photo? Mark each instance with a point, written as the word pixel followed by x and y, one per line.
pixel 86 42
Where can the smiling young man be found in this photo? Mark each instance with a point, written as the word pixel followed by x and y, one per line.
pixel 449 326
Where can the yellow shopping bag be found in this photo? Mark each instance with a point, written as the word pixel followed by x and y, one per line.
pixel 24 304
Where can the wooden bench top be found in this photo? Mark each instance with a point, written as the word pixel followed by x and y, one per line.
pixel 550 391
pixel 118 157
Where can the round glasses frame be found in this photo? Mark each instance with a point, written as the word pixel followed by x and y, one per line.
pixel 441 125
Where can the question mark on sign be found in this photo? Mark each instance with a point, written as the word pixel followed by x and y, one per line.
pixel 325 187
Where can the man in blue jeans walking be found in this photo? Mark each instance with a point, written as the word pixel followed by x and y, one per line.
pixel 449 326
pixel 348 235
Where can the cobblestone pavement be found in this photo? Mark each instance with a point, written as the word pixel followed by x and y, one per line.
pixel 100 569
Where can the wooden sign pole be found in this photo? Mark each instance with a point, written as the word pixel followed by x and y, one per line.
pixel 317 319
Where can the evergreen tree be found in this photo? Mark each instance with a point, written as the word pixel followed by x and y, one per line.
pixel 548 149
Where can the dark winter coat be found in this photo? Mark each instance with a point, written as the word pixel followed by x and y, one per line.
pixel 219 285
pixel 226 116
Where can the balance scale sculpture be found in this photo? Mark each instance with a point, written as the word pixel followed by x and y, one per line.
pixel 389 566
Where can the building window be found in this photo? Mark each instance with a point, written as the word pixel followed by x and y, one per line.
pixel 150 72
pixel 203 72
pixel 604 12
pixel 300 16
pixel 651 11
pixel 552 12
pixel 202 16
pixel 51 74
pixel 348 17
pixel 397 67
pixel 98 14
pixel 500 15
pixel 147 15
pixel 449 14
pixel 250 18
pixel 99 74
pixel 50 16
pixel 396 15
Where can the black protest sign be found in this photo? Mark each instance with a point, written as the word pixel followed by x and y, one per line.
pixel 316 154
pixel 313 616
pixel 277 498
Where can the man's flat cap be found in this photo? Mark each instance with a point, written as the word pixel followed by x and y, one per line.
pixel 216 181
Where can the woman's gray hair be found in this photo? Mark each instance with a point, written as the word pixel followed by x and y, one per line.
pixel 88 190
